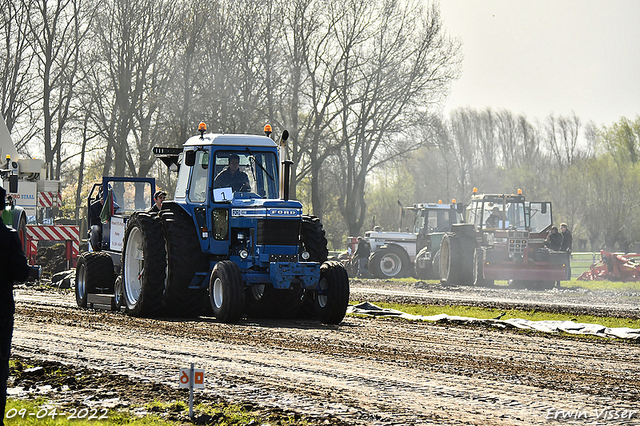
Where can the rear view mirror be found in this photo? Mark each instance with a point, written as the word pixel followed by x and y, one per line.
pixel 13 184
pixel 190 158
pixel 544 208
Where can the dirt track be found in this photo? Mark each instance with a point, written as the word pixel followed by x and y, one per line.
pixel 364 371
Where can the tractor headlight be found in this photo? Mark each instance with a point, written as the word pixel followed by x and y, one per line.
pixel 241 236
pixel 243 254
pixel 305 255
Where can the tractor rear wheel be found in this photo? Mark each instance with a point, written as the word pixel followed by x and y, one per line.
pixel 389 262
pixel 184 259
pixel 456 267
pixel 478 273
pixel 332 296
pixel 226 291
pixel 314 242
pixel 313 238
pixel 144 265
pixel 94 271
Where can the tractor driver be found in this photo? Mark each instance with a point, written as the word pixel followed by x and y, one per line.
pixel 494 219
pixel 232 177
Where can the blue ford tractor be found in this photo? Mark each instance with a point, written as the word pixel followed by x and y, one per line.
pixel 231 239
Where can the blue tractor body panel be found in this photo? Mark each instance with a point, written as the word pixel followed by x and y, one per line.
pixel 254 229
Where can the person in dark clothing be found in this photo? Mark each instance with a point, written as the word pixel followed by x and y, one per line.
pixel 567 239
pixel 232 177
pixel 13 267
pixel 158 197
pixel 554 239
pixel 363 251
pixel 493 221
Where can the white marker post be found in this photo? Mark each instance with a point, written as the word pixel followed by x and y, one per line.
pixel 191 378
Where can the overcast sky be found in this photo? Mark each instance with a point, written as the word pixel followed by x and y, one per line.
pixel 538 57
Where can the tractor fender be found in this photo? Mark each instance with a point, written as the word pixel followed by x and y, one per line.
pixel 389 245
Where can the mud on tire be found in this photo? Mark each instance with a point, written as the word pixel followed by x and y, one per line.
pixel 94 271
pixel 184 259
pixel 144 265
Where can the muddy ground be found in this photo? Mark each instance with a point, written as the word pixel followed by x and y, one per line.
pixel 363 371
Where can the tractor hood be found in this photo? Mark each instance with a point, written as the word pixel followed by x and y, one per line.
pixel 258 207
pixel 391 236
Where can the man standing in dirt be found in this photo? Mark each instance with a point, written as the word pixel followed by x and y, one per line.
pixel 363 250
pixel 13 267
pixel 567 240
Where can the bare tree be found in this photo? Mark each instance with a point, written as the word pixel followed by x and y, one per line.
pixel 563 135
pixel 130 63
pixel 17 94
pixel 57 30
pixel 394 60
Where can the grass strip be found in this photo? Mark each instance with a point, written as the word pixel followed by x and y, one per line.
pixel 487 313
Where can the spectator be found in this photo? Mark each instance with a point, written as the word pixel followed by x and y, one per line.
pixel 13 267
pixel 363 251
pixel 554 239
pixel 158 198
pixel 567 240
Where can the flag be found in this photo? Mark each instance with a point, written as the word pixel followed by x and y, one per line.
pixel 107 208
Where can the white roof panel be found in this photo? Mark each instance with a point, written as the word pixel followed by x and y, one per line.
pixel 231 139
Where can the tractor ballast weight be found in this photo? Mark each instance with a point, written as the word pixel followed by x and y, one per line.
pixel 502 240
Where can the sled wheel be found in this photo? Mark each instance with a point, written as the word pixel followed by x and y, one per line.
pixel 226 291
pixel 93 271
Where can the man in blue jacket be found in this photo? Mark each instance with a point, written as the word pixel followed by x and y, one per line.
pixel 13 267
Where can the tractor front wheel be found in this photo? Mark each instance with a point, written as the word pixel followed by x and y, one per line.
pixel 226 291
pixel 332 297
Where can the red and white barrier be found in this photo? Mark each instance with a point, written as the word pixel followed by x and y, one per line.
pixel 70 234
pixel 49 199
